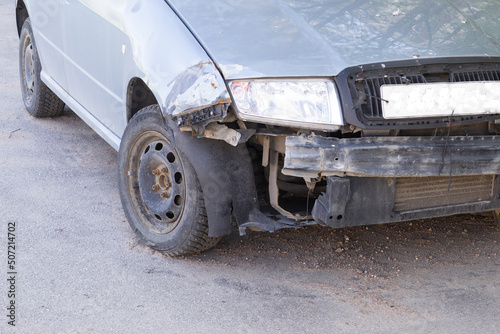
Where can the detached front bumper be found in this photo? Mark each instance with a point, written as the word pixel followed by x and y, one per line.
pixel 387 179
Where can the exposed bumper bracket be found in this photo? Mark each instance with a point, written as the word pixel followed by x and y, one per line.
pixel 332 204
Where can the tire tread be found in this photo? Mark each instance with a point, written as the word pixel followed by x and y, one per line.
pixel 48 104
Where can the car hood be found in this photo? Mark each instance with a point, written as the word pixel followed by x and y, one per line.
pixel 273 38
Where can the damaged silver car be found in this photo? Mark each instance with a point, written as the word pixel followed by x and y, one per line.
pixel 277 113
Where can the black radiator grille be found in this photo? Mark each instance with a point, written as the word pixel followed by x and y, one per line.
pixel 372 91
pixel 475 76
pixel 372 106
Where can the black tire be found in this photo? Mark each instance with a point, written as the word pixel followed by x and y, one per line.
pixel 159 189
pixel 38 99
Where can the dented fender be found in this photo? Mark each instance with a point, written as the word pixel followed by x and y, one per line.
pixel 198 87
pixel 169 59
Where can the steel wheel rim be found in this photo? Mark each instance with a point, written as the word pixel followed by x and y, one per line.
pixel 155 181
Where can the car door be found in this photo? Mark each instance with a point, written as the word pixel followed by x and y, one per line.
pixel 46 21
pixel 96 47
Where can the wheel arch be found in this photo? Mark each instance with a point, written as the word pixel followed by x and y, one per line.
pixel 21 15
pixel 139 96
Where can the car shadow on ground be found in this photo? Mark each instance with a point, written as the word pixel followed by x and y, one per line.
pixel 383 251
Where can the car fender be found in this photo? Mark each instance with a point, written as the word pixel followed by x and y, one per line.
pixel 170 60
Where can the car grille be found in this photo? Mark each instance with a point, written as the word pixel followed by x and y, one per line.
pixel 369 87
pixel 372 91
pixel 475 76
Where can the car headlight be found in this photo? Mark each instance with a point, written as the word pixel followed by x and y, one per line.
pixel 311 104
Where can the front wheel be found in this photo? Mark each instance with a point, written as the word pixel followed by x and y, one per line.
pixel 159 189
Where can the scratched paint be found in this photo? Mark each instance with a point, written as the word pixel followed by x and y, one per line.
pixel 198 87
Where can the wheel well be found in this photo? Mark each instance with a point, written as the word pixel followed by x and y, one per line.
pixel 21 15
pixel 138 96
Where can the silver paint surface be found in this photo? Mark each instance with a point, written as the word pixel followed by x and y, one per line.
pixel 276 38
pixel 91 50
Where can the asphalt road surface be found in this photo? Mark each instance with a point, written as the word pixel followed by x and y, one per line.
pixel 80 269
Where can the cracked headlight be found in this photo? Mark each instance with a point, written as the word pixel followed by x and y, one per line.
pixel 311 104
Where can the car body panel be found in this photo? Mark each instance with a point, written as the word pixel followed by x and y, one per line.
pixel 165 53
pixel 46 22
pixel 281 38
pixel 94 61
pixel 131 39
